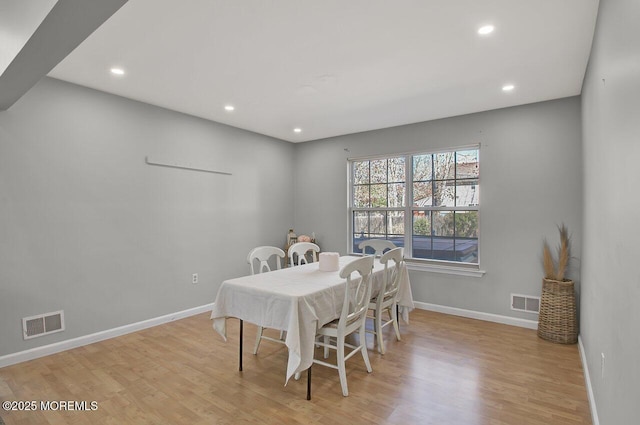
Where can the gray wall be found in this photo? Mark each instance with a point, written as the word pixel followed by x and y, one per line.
pixel 611 282
pixel 86 226
pixel 530 182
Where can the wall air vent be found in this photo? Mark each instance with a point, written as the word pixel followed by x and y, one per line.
pixel 525 303
pixel 43 324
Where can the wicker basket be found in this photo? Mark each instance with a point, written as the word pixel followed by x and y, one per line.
pixel 557 320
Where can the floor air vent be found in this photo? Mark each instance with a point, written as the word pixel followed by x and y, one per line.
pixel 43 324
pixel 525 303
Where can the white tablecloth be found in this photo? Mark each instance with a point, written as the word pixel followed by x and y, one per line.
pixel 298 300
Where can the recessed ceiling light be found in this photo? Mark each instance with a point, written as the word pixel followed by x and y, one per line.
pixel 487 29
pixel 508 87
pixel 229 108
pixel 117 71
pixel 297 130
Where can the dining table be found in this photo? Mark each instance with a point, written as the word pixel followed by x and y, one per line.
pixel 298 300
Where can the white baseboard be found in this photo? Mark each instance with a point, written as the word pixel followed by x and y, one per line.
pixel 587 381
pixel 489 317
pixel 57 347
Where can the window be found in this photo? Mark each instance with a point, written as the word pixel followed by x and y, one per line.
pixel 425 202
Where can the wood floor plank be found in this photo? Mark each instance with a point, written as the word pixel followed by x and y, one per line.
pixel 446 370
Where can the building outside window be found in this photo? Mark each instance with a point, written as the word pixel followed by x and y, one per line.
pixel 426 202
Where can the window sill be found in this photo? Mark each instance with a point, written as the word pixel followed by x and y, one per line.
pixel 433 268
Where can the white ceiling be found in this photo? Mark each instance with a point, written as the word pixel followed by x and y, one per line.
pixel 335 67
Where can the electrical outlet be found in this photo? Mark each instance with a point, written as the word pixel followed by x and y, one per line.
pixel 194 278
pixel 602 365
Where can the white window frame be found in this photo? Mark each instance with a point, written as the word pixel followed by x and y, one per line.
pixel 432 265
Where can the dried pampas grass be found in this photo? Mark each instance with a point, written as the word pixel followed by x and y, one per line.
pixel 563 252
pixel 557 270
pixel 547 262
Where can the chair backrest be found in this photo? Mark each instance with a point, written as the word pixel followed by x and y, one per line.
pixel 377 245
pixel 300 249
pixel 393 262
pixel 357 292
pixel 263 254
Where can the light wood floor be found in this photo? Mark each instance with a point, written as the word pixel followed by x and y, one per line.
pixel 446 370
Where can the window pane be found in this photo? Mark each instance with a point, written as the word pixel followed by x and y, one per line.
pixel 395 222
pixel 379 171
pixel 361 196
pixel 444 195
pixel 467 164
pixel 467 250
pixel 466 242
pixel 377 223
pixel 467 193
pixel 443 242
pixel 444 165
pixel 396 170
pixel 422 167
pixel 466 224
pixel 422 223
pixel 442 223
pixel 378 195
pixel 422 194
pixel 422 247
pixel 360 222
pixel 396 195
pixel 421 234
pixel 361 172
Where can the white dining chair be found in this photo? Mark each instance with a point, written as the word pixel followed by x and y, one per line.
pixel 262 255
pixel 379 246
pixel 352 319
pixel 387 299
pixel 299 250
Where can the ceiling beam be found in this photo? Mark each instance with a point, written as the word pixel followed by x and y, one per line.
pixel 67 25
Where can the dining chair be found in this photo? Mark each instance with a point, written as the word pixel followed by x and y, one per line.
pixel 264 254
pixel 300 250
pixel 377 245
pixel 387 298
pixel 352 319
